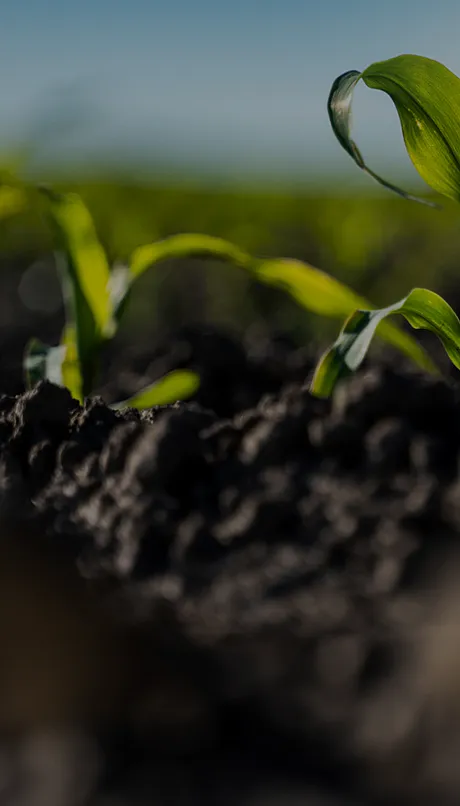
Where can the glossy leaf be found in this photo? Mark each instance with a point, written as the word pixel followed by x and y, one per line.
pixel 322 294
pixel 427 98
pixel 423 309
pixel 176 385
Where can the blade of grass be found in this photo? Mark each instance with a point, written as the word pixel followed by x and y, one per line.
pixel 176 385
pixel 427 98
pixel 423 309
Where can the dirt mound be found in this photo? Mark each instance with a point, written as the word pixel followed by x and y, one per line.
pixel 302 554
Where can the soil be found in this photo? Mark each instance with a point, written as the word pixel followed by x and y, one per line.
pixel 288 568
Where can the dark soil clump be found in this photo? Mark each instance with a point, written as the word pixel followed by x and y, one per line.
pixel 297 561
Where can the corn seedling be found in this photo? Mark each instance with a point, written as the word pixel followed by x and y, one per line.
pixel 427 98
pixel 92 316
pixel 96 297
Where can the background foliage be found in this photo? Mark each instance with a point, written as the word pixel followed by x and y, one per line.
pixel 380 245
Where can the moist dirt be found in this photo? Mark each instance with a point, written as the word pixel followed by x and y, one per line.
pixel 296 559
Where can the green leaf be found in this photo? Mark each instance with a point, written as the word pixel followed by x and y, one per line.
pixel 88 265
pixel 427 98
pixel 339 111
pixel 71 375
pixel 188 245
pixel 310 287
pixel 322 294
pixel 177 246
pixel 176 385
pixel 423 309
pixel 85 276
pixel 57 365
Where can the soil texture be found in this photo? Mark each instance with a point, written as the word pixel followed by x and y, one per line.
pixel 248 599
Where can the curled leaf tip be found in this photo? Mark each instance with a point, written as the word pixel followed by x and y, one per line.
pixel 423 309
pixel 339 105
pixel 427 98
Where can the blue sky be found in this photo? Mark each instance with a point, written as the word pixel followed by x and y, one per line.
pixel 240 85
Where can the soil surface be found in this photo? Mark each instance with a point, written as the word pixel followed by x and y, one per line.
pixel 280 572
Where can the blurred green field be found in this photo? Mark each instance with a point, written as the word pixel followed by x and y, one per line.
pixel 380 245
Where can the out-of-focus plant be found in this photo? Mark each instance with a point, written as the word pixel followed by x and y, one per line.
pixel 96 298
pixel 427 98
pixel 92 316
